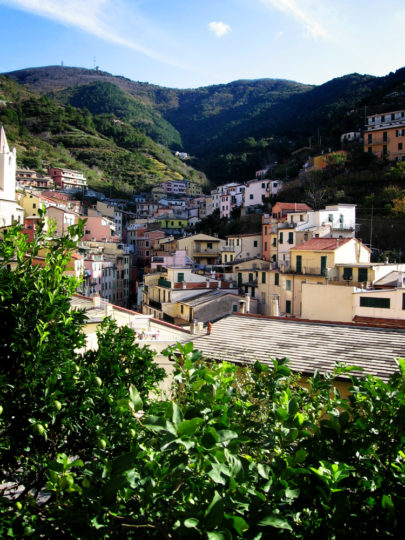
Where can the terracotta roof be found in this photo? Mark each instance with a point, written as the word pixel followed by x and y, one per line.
pixel 292 206
pixel 321 244
pixel 309 346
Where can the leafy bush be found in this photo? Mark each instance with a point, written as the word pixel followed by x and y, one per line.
pixel 88 452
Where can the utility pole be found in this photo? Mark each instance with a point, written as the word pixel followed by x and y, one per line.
pixel 371 223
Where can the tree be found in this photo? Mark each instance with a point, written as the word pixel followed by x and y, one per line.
pixel 235 452
pixel 56 399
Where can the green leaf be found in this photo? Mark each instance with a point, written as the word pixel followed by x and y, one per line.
pixel 226 435
pixel 292 407
pixel 191 523
pixel 215 512
pixel 239 524
pixel 189 427
pixel 215 474
pixel 135 398
pixel 263 470
pixel 273 520
pixel 219 535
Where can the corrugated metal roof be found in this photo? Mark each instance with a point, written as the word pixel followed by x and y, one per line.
pixel 309 346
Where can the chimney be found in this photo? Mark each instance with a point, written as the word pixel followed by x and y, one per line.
pixel 96 300
pixel 247 300
pixel 108 309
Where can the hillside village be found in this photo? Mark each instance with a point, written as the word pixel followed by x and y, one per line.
pixel 142 255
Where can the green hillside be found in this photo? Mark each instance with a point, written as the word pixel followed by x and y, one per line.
pixel 232 129
pixel 111 152
pixel 106 98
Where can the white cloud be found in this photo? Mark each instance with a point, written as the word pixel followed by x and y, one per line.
pixel 91 16
pixel 220 29
pixel 290 7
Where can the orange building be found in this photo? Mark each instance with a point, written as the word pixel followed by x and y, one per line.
pixel 384 135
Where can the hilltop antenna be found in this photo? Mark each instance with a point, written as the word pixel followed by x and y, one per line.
pixel 62 64
pixel 94 62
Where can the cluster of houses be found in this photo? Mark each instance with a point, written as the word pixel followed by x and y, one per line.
pixel 304 265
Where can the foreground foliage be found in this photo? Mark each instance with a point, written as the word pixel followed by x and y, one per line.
pixel 235 452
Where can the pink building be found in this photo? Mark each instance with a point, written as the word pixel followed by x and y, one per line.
pixel 100 229
pixel 62 218
pixel 67 178
pixel 93 269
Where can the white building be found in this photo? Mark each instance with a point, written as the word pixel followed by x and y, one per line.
pixel 10 211
pixel 255 192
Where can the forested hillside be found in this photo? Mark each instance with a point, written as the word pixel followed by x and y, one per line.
pixel 230 129
pixel 111 152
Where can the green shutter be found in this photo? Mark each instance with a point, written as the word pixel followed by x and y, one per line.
pixel 299 264
pixel 180 277
pixel 276 279
pixel 375 302
pixel 288 306
pixel 263 277
pixel 324 259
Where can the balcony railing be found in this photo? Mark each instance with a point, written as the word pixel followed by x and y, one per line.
pixel 164 283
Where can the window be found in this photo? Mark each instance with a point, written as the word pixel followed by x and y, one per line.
pixel 288 306
pixel 290 237
pixel 362 274
pixel 234 308
pixel 180 277
pixel 276 279
pixel 182 309
pixel 225 258
pixel 348 273
pixel 265 246
pixel 383 118
pixel 263 277
pixel 288 284
pixel 255 243
pixel 263 185
pixel 250 277
pixel 324 260
pixel 299 264
pixel 280 240
pixel 375 302
pixel 274 242
pixel 370 138
pixel 399 146
pixel 330 218
pixel 34 205
pixel 403 300
pixel 385 136
pixel 251 196
pixel 209 245
pixel 265 230
pixel 385 150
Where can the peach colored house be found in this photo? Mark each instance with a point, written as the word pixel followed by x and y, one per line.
pixel 100 229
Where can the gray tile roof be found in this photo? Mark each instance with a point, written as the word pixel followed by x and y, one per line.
pixel 308 345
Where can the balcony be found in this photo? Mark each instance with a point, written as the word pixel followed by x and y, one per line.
pixel 155 305
pixel 228 248
pixel 206 253
pixel 164 283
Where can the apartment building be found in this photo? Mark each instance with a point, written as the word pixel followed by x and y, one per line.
pixel 384 135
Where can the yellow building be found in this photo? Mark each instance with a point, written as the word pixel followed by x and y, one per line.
pixel 29 202
pixel 384 135
pixel 203 249
pixel 314 261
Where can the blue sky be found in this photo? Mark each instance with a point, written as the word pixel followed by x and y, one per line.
pixel 191 43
